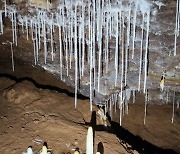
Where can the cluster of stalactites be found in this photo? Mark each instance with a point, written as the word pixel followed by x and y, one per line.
pixel 82 26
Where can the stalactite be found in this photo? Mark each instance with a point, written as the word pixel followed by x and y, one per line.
pixel 177 25
pixel 83 39
pixel 173 108
pixel 141 53
pixel 12 56
pixel 15 27
pixel 34 44
pixel 134 28
pixel 12 23
pixel 27 33
pixel 91 59
pixel 45 44
pixel 60 50
pixel 146 50
pixel 36 41
pixel 52 46
pixel 127 44
pixel 145 106
pixel 134 96
pixel 116 49
pixel 5 8
pixel 1 23
pixel 76 57
pixel 67 55
pixel 122 57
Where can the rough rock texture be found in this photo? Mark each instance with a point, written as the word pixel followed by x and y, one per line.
pixel 49 115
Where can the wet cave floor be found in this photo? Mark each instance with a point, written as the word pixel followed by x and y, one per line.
pixel 36 106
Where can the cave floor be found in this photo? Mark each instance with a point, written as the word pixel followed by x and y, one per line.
pixel 36 107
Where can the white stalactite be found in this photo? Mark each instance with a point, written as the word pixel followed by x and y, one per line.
pixel 146 51
pixel 12 56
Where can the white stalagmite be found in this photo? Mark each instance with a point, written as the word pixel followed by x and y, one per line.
pixel 89 141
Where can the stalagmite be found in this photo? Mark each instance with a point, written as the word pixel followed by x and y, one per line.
pixel 89 141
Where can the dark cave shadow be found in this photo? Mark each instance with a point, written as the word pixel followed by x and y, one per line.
pixel 137 143
pixel 126 137
pixel 41 86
